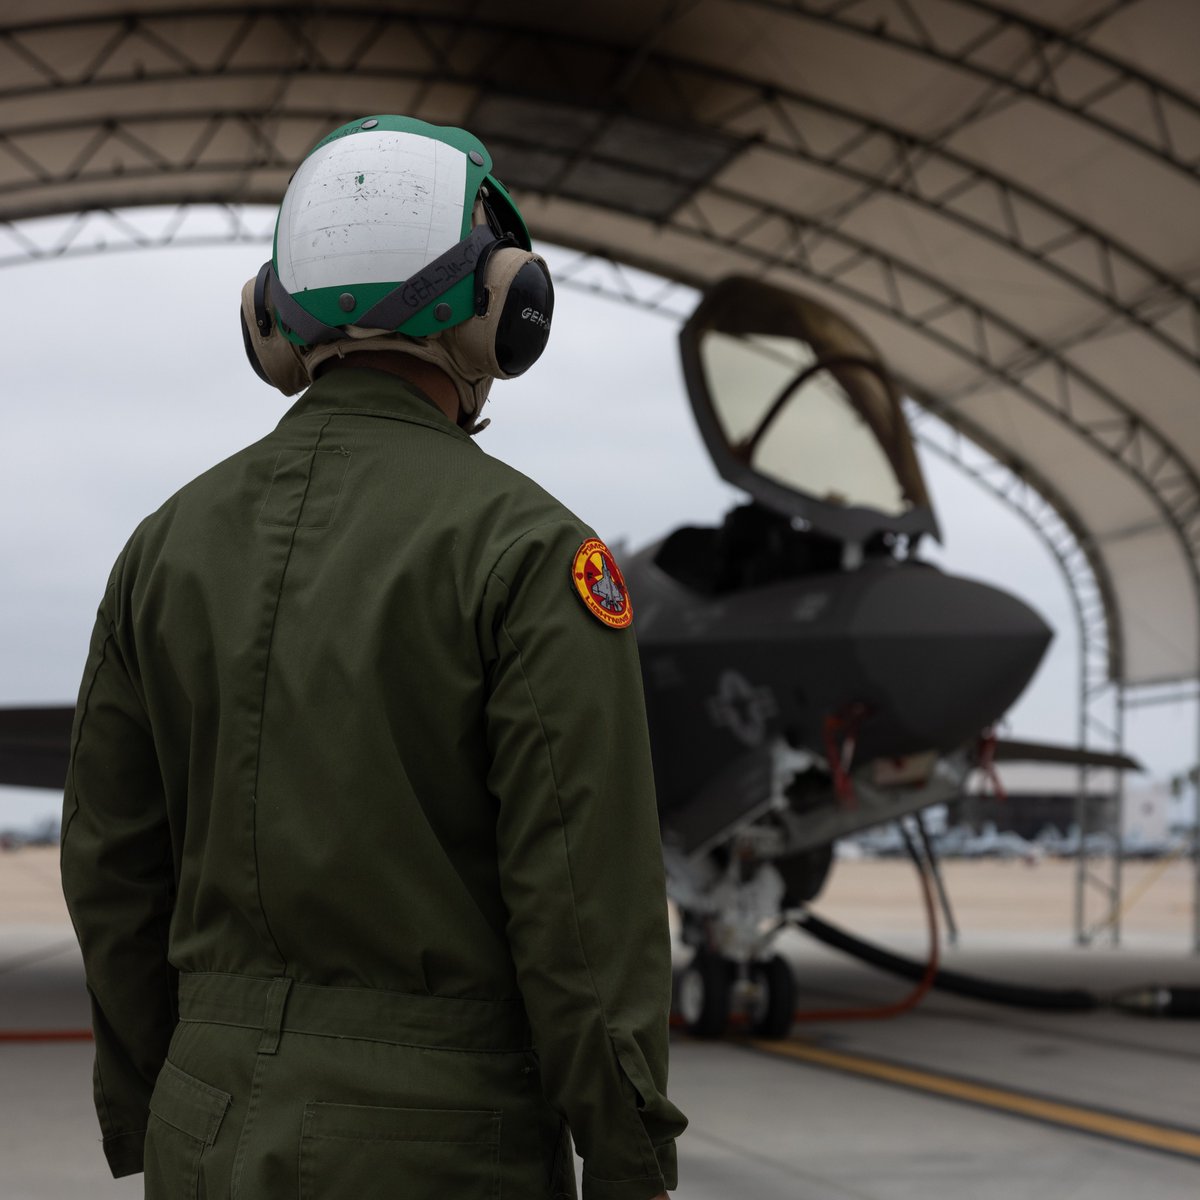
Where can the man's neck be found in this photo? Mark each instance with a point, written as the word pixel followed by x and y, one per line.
pixel 430 379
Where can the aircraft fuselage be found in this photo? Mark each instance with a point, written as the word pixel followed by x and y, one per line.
pixel 895 654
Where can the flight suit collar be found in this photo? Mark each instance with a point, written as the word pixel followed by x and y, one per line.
pixel 367 391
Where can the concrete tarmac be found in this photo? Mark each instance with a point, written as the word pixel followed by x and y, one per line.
pixel 1097 1105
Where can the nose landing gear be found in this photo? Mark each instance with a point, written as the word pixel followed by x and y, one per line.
pixel 774 999
pixel 704 997
pixel 713 990
pixel 732 918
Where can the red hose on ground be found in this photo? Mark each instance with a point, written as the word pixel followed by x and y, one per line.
pixel 45 1035
pixel 916 995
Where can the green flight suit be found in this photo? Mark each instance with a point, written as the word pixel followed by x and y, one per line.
pixel 359 836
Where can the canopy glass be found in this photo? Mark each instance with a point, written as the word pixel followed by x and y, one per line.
pixel 797 408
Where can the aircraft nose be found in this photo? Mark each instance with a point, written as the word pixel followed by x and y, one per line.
pixel 951 654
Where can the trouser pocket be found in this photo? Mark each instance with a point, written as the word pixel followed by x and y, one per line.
pixel 185 1115
pixel 358 1152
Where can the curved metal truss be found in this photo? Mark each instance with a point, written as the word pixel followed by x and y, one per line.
pixel 1101 701
pixel 600 275
pixel 717 113
pixel 1014 54
pixel 107 231
pixel 925 171
pixel 1037 501
pixel 1024 59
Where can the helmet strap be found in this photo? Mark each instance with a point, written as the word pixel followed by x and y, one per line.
pixel 404 301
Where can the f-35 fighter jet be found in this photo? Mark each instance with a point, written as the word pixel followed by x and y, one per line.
pixel 806 673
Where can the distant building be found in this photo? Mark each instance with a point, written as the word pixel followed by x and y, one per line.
pixel 1147 815
pixel 1039 797
pixel 1036 797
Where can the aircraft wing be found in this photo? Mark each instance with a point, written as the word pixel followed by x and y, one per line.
pixel 35 744
pixel 1008 750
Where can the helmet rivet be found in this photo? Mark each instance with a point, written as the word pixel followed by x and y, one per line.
pixel 476 158
pixel 346 302
pixel 442 312
pixel 369 124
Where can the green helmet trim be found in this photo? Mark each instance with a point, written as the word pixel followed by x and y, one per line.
pixel 324 303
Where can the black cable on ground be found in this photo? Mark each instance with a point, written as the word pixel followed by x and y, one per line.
pixel 1159 1002
pixel 1182 1002
pixel 1049 999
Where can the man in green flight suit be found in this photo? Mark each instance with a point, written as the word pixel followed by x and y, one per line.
pixel 359 836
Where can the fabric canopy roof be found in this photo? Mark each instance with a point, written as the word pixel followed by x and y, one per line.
pixel 1003 195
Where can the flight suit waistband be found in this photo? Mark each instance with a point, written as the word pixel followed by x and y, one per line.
pixel 282 1005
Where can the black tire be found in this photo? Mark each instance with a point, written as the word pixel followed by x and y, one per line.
pixel 704 993
pixel 774 1013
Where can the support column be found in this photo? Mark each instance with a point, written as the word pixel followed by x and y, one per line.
pixel 1102 705
pixel 1195 774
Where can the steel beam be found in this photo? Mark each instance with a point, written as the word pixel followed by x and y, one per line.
pixel 1047 56
pixel 916 156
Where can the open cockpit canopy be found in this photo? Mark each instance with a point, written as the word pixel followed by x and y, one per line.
pixel 796 407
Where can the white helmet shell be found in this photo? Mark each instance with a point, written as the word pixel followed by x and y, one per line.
pixel 383 204
pixel 373 208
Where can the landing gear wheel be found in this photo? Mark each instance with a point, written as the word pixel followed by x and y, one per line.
pixel 772 1014
pixel 704 994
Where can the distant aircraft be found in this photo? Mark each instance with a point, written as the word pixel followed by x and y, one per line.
pixel 806 674
pixel 992 843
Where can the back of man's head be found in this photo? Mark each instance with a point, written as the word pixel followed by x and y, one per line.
pixel 394 237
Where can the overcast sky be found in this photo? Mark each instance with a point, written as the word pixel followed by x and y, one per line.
pixel 124 376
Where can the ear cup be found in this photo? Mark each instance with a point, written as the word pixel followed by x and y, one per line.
pixel 248 345
pixel 274 359
pixel 508 337
pixel 524 326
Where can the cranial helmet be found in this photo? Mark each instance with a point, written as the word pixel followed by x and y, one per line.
pixel 394 234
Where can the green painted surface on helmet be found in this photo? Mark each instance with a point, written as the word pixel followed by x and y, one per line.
pixel 325 303
pixel 516 223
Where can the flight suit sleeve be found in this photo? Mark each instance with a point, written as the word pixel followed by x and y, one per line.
pixel 581 863
pixel 118 879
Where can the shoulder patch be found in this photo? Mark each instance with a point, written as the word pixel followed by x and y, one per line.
pixel 600 585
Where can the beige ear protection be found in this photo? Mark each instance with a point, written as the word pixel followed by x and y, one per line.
pixel 514 304
pixel 275 359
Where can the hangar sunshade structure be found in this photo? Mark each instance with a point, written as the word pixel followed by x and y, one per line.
pixel 1002 194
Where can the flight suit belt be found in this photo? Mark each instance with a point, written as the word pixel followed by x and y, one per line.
pixel 282 1005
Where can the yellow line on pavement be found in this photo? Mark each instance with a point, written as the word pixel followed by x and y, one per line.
pixel 1086 1120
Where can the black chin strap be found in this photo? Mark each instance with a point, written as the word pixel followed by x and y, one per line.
pixel 402 302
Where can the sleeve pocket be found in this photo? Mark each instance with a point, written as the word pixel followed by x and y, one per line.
pixel 185 1115
pixel 359 1152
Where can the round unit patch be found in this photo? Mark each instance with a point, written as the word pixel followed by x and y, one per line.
pixel 600 584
